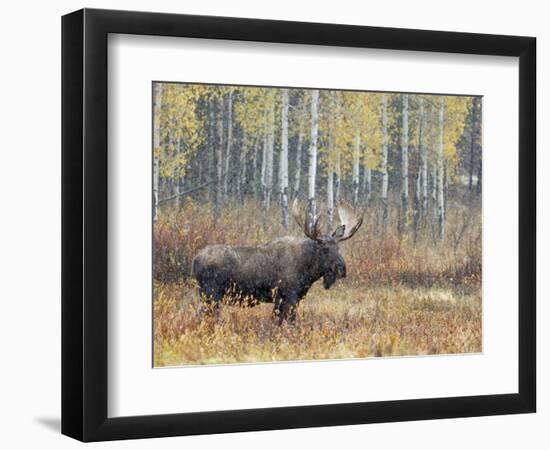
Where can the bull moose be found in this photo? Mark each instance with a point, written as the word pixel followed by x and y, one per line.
pixel 279 272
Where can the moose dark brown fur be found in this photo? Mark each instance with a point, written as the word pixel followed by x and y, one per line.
pixel 279 272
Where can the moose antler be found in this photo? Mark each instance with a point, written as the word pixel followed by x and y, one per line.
pixel 313 232
pixel 350 220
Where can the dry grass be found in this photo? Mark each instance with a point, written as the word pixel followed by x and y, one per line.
pixel 343 322
pixel 400 297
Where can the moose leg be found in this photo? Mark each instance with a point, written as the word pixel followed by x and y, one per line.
pixel 277 311
pixel 286 308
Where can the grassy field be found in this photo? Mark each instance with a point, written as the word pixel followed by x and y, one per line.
pixel 401 297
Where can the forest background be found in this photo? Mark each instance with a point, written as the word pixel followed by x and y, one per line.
pixel 228 160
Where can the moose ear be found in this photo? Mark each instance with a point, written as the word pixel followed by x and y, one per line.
pixel 339 232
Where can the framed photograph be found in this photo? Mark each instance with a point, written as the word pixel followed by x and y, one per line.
pixel 273 224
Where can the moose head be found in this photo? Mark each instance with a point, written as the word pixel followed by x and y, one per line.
pixel 332 263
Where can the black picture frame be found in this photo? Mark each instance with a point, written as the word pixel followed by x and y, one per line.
pixel 84 224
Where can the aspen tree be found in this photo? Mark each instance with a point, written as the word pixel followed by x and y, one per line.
pixel 228 143
pixel 283 160
pixel 219 158
pixel 355 170
pixel 405 162
pixel 312 156
pixel 423 156
pixel 270 142
pixel 440 172
pixel 384 163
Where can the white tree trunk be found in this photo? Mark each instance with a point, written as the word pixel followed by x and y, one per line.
pixel 241 183
pixel 211 162
pixel 417 203
pixel 405 163
pixel 263 168
pixel 384 163
pixel 434 183
pixel 440 172
pixel 312 157
pixel 283 160
pixel 254 177
pixel 419 188
pixel 177 179
pixel 366 187
pixel 228 143
pixel 479 175
pixel 219 162
pixel 423 156
pixel 337 179
pixel 157 96
pixel 330 197
pixel 269 158
pixel 367 183
pixel 355 171
pixel 445 189
pixel 298 164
